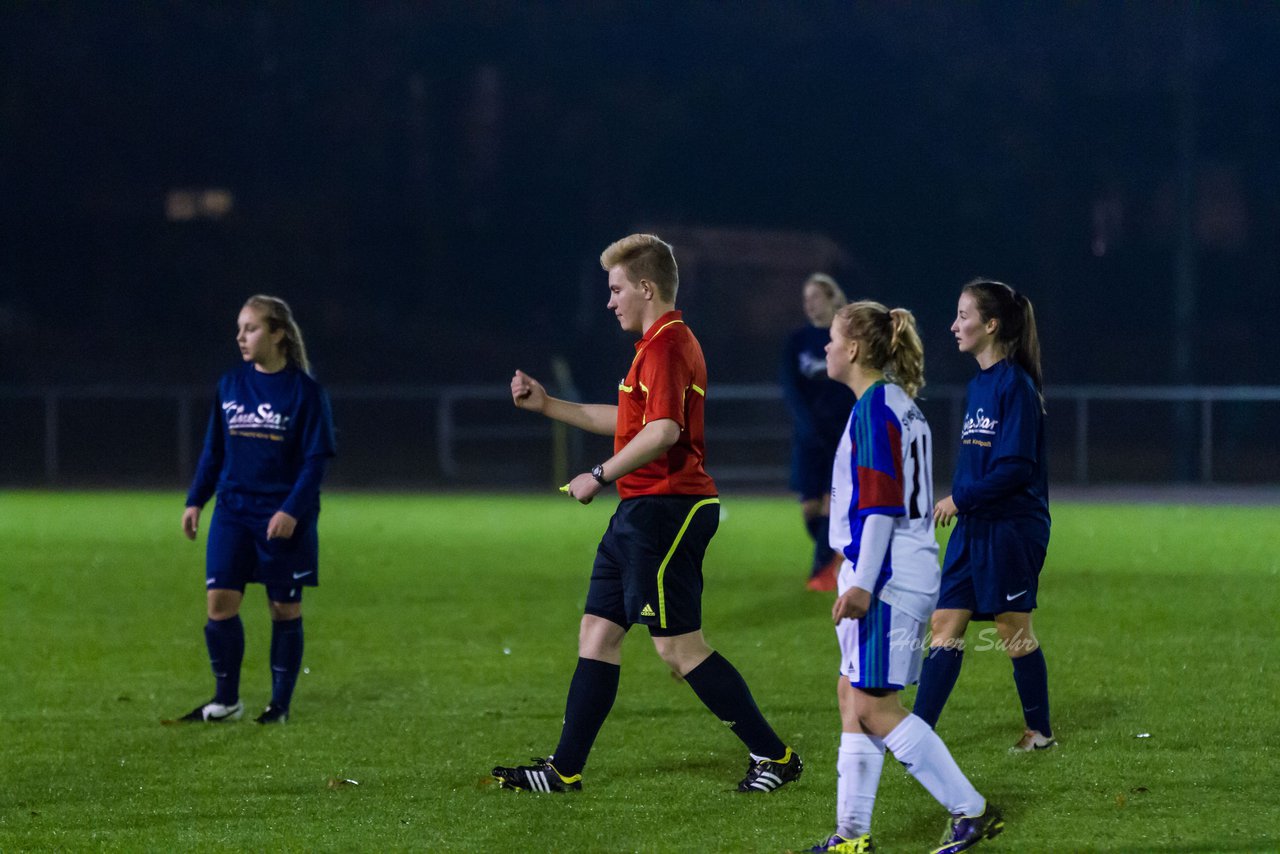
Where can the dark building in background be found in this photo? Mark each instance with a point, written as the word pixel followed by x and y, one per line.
pixel 430 186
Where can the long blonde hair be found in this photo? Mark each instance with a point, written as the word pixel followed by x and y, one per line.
pixel 890 341
pixel 276 314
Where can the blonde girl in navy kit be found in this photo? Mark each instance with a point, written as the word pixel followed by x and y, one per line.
pixel 269 441
pixel 1000 499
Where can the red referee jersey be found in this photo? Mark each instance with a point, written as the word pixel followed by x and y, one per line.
pixel 667 379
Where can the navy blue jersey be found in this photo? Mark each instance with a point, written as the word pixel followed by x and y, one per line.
pixel 819 405
pixel 270 436
pixel 1002 469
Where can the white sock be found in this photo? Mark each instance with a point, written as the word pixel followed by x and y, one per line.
pixel 858 765
pixel 919 748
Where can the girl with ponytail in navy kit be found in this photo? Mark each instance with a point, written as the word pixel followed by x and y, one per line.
pixel 1000 497
pixel 269 441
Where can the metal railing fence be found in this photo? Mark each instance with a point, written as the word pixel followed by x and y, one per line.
pixel 456 435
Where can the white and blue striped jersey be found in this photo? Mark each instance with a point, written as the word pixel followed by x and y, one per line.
pixel 884 465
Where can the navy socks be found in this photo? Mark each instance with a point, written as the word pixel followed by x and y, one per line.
pixel 723 690
pixel 591 694
pixel 225 640
pixel 818 528
pixel 286 660
pixel 937 678
pixel 1032 678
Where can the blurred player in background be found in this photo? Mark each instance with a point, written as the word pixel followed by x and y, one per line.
pixel 882 525
pixel 269 441
pixel 819 409
pixel 1000 499
pixel 648 567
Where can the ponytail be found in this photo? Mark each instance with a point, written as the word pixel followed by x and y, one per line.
pixel 1016 329
pixel 907 352
pixel 890 340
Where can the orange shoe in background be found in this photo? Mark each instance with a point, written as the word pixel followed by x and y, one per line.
pixel 825 578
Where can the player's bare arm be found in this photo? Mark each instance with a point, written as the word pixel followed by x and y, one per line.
pixel 527 393
pixel 653 440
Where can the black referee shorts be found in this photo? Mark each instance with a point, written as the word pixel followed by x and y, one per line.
pixel 648 567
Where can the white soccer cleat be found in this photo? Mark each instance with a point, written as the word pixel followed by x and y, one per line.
pixel 1033 740
pixel 214 713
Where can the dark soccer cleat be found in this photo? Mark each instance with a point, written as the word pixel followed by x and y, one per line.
pixel 965 831
pixel 765 775
pixel 214 713
pixel 272 714
pixel 541 776
pixel 838 844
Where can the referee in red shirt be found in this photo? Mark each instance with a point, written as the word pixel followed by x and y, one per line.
pixel 648 567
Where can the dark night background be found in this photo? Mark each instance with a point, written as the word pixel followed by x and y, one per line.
pixel 430 184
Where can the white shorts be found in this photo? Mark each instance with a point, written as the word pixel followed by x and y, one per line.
pixel 884 649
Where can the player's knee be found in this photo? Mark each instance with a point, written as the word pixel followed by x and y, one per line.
pixel 942 633
pixel 1016 635
pixel 284 610
pixel 222 605
pixel 600 639
pixel 681 663
pixel 681 654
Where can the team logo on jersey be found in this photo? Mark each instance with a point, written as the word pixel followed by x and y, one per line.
pixel 812 366
pixel 978 424
pixel 262 418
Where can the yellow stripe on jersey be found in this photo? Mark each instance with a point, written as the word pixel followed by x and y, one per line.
pixel 662 568
pixel 624 388
pixel 700 391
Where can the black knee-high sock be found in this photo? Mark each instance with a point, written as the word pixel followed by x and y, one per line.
pixel 937 678
pixel 225 641
pixel 722 689
pixel 1032 678
pixel 591 694
pixel 818 528
pixel 286 660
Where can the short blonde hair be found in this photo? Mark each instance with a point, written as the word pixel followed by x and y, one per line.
pixel 645 256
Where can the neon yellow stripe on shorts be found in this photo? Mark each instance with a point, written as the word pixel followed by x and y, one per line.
pixel 662 567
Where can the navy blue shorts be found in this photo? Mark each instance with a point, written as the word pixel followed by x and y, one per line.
pixel 648 567
pixel 811 469
pixel 238 552
pixel 992 567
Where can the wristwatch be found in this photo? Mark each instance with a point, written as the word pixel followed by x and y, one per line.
pixel 597 471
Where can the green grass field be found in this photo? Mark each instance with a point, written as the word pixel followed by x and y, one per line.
pixel 442 640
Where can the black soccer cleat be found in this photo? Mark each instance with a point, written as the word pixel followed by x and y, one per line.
pixel 214 713
pixel 765 775
pixel 966 831
pixel 541 776
pixel 273 714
